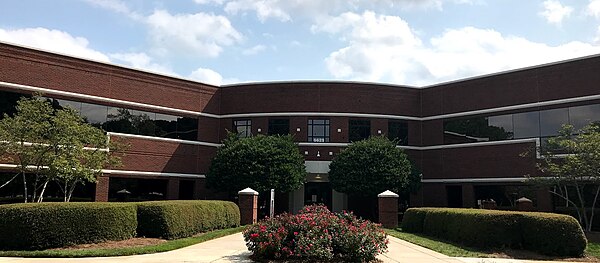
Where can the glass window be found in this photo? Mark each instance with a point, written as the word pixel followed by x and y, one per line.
pixel 143 122
pixel 119 120
pixel 318 130
pixel 359 130
pixel 166 126
pixel 500 127
pixel 8 103
pixel 187 128
pixel 60 103
pixel 551 121
pixel 94 114
pixel 583 115
pixel 279 126
pixel 478 129
pixel 398 130
pixel 526 125
pixel 243 128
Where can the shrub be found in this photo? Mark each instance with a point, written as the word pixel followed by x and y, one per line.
pixel 177 219
pixel 316 234
pixel 550 234
pixel 50 225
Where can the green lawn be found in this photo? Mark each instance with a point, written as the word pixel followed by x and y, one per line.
pixel 456 250
pixel 166 246
pixel 437 245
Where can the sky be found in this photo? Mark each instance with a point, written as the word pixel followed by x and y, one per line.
pixel 220 42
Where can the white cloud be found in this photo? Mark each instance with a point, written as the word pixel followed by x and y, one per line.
pixel 593 8
pixel 385 48
pixel 198 34
pixel 287 10
pixel 254 50
pixel 210 76
pixel 204 2
pixel 52 40
pixel 141 61
pixel 554 12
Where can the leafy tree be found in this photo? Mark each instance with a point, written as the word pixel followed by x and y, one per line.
pixel 259 162
pixel 54 145
pixel 371 166
pixel 572 161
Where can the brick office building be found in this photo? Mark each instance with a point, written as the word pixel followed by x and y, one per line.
pixel 466 136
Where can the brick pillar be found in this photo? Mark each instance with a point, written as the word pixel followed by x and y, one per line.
pixel 544 200
pixel 102 184
pixel 388 209
pixel 173 189
pixel 248 203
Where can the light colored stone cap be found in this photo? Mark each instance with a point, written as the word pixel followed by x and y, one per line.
pixel 248 191
pixel 388 193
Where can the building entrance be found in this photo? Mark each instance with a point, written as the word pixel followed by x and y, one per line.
pixel 317 193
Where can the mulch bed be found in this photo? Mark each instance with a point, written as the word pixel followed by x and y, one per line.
pixel 133 242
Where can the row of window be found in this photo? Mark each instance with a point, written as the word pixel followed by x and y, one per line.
pixel 319 130
pixel 116 119
pixel 534 124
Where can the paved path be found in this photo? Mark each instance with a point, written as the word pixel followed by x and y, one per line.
pixel 233 249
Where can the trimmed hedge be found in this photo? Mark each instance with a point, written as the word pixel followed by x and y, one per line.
pixel 50 225
pixel 177 219
pixel 550 234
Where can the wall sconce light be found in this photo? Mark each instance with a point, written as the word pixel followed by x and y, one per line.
pixel 298 129
pixel 378 131
pixel 305 152
pixel 259 129
pixel 339 130
pixel 330 153
pixel 318 154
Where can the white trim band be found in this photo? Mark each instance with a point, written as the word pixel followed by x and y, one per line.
pixel 210 144
pixel 119 172
pixel 292 114
pixel 477 180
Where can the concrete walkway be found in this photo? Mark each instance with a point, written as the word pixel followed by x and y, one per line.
pixel 233 249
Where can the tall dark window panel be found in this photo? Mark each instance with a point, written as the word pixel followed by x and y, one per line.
pixel 166 126
pixel 187 128
pixel 581 116
pixel 359 130
pixel 551 121
pixel 94 114
pixel 243 128
pixel 318 130
pixel 527 124
pixel 8 103
pixel 279 126
pixel 398 131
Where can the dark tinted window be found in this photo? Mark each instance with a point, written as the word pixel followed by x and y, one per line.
pixel 8 102
pixel 318 130
pixel 359 130
pixel 584 115
pixel 94 114
pixel 398 131
pixel 526 125
pixel 187 128
pixel 166 126
pixel 478 129
pixel 279 126
pixel 551 121
pixel 243 128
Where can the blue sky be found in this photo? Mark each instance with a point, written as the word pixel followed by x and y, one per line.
pixel 407 42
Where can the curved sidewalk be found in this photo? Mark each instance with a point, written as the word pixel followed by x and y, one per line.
pixel 233 249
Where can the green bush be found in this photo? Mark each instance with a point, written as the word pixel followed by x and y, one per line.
pixel 550 234
pixel 50 225
pixel 177 219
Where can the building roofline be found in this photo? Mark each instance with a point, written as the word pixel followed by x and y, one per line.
pixel 304 81
pixel 106 63
pixel 511 71
pixel 316 81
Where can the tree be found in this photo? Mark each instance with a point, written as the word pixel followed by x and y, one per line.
pixel 572 161
pixel 369 167
pixel 259 162
pixel 54 145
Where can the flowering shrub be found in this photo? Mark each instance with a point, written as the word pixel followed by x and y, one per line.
pixel 316 234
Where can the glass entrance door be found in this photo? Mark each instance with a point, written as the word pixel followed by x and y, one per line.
pixel 317 193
